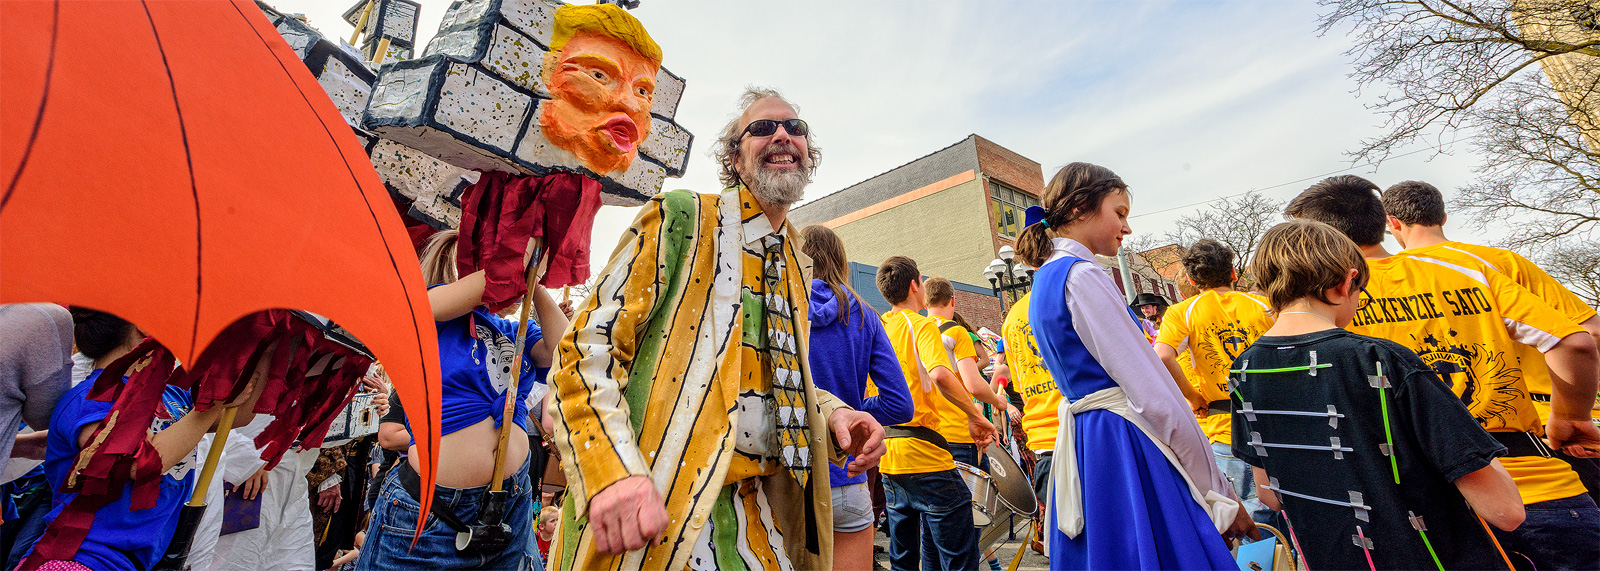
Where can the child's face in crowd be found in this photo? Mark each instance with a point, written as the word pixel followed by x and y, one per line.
pixel 1103 230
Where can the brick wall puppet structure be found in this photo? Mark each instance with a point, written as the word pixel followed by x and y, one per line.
pixel 489 93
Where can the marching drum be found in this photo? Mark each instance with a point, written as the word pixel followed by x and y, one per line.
pixel 1002 500
pixel 985 495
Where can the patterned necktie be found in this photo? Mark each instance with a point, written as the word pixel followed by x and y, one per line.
pixel 783 352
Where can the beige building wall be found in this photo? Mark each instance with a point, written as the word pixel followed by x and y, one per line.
pixel 946 249
pixel 1575 76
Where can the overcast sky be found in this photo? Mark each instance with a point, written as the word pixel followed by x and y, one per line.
pixel 1186 100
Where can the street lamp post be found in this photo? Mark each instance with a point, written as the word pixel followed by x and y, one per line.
pixel 1006 274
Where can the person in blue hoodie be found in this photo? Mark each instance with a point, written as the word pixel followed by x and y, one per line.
pixel 849 353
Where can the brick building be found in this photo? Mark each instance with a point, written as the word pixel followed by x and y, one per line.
pixel 951 211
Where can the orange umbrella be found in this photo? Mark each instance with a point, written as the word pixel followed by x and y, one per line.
pixel 175 163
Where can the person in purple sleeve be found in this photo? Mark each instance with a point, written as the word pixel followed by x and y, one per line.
pixel 848 346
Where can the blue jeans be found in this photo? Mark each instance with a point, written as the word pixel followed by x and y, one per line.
pixel 1244 482
pixel 1558 534
pixel 939 502
pixel 394 519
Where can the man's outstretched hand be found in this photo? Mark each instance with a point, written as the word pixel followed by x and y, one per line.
pixel 859 435
pixel 629 515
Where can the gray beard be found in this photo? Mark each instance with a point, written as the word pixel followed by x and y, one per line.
pixel 777 188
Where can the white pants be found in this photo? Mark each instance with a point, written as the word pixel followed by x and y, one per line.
pixel 284 540
pixel 239 460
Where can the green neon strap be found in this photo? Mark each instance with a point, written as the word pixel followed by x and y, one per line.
pixel 1388 435
pixel 1280 370
pixel 1429 545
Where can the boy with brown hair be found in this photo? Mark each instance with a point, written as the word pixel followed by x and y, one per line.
pixel 1354 437
pixel 958 345
pixel 927 499
pixel 1466 322
pixel 963 354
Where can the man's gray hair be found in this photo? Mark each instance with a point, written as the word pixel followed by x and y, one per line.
pixel 726 150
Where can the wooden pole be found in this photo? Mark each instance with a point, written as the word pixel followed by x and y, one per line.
pixel 213 457
pixel 362 21
pixel 506 414
pixel 383 50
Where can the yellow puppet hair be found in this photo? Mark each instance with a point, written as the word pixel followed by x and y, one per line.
pixel 608 19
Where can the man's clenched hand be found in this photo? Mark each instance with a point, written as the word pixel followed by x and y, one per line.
pixel 628 515
pixel 859 435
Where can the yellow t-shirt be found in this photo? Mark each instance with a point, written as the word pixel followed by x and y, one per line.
pixel 1214 328
pixel 1040 397
pixel 1186 364
pixel 957 346
pixel 1466 323
pixel 914 336
pixel 1529 276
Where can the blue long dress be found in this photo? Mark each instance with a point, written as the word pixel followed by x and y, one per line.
pixel 1138 511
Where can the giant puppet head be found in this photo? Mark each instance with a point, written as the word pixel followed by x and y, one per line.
pixel 531 87
pixel 601 75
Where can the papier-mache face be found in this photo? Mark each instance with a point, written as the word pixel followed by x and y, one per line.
pixel 601 75
pixel 531 87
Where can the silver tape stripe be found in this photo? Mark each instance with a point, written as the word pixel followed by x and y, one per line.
pixel 1304 447
pixel 1356 504
pixel 1248 411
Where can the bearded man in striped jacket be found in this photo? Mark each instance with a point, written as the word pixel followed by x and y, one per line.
pixel 685 414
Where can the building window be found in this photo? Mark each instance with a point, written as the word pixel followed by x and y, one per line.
pixel 1008 204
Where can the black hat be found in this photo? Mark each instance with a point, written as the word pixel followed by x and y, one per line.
pixel 1148 299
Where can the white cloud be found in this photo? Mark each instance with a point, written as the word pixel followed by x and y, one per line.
pixel 1185 100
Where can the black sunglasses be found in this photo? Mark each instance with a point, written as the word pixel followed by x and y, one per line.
pixel 765 127
pixel 1363 299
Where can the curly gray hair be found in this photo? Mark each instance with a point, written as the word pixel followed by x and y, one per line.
pixel 726 151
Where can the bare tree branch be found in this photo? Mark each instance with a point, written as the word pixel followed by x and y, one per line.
pixel 1465 70
pixel 1237 223
pixel 1577 266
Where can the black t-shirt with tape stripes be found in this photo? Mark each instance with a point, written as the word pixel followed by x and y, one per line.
pixel 1435 441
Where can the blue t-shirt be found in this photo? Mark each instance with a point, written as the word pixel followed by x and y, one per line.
pixel 119 534
pixel 475 352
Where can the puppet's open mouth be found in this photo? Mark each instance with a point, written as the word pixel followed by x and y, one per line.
pixel 623 133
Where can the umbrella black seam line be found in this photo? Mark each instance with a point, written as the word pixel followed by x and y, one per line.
pixel 194 189
pixel 427 390
pixel 44 99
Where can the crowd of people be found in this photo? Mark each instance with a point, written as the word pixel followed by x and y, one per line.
pixel 1426 409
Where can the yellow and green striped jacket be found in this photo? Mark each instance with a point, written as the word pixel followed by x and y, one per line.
pixel 648 384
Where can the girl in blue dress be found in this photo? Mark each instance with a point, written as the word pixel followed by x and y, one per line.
pixel 1133 484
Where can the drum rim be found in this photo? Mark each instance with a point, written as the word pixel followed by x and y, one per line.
pixel 990 452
